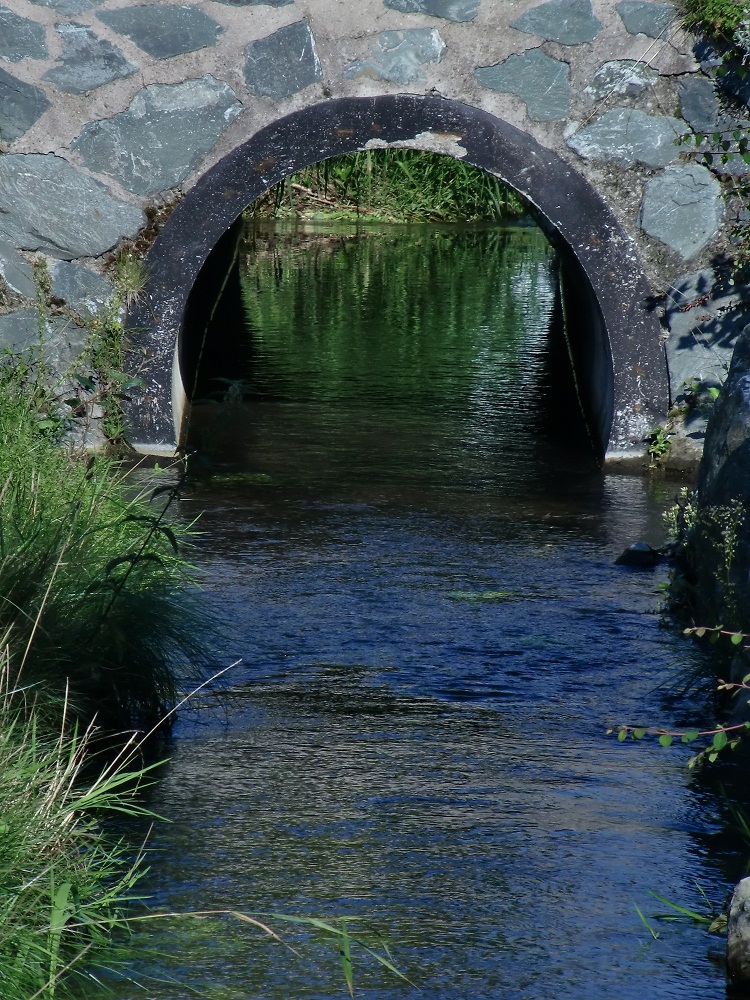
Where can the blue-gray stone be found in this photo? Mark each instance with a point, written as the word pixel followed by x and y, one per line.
pixel 682 208
pixel 626 135
pixel 68 7
pixel 21 104
pixel 256 3
pixel 21 38
pixel 570 22
pixel 48 205
pixel 88 62
pixel 166 130
pixel 699 103
pixel 163 31
pixel 84 291
pixel 16 273
pixel 60 343
pixel 452 10
pixel 621 77
pixel 283 63
pixel 704 315
pixel 540 81
pixel 398 56
pixel 641 17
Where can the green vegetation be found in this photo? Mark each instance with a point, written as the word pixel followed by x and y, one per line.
pixel 392 185
pixel 93 617
pixel 718 18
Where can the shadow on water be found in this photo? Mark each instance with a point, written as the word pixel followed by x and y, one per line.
pixel 408 543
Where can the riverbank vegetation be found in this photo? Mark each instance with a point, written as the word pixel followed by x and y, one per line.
pixel 94 617
pixel 392 185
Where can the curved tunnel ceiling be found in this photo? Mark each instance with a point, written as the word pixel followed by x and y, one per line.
pixel 625 377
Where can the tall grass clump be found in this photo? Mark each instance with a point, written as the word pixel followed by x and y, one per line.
pixel 92 587
pixel 63 883
pixel 394 185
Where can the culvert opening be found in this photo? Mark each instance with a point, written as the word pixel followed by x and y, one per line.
pixel 387 279
pixel 626 391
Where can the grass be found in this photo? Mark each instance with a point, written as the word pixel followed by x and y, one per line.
pixel 92 585
pixel 63 883
pixel 393 185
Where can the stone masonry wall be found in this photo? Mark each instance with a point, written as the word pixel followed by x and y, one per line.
pixel 109 106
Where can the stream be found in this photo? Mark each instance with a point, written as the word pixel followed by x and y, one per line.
pixel 405 539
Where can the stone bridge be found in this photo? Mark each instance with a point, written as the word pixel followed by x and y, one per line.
pixel 112 110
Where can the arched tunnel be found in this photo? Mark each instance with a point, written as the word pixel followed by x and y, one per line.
pixel 611 329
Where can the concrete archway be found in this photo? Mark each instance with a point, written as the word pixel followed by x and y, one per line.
pixel 613 331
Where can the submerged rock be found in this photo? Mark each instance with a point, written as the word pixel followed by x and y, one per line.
pixel 639 555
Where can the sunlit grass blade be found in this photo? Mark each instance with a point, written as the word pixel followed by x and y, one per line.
pixel 645 923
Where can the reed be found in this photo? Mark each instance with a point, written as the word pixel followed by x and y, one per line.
pixel 393 185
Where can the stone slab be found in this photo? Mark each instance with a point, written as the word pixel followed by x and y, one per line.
pixel 164 31
pixel 682 208
pixel 540 81
pixel 21 104
pixel 83 290
pixel 87 62
pixel 256 3
pixel 621 78
pixel 283 63
pixel 399 56
pixel 452 10
pixel 641 17
pixel 699 103
pixel 68 7
pixel 48 205
pixel 704 315
pixel 167 128
pixel 16 273
pixel 627 135
pixel 21 38
pixel 570 22
pixel 61 342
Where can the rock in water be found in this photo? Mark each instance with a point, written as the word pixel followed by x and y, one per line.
pixel 640 555
pixel 738 933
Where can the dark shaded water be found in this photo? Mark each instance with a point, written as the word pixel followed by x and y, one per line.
pixel 417 572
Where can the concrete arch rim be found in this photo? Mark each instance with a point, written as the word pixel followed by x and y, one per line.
pixel 570 209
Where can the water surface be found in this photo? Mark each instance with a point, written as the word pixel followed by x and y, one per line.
pixel 408 544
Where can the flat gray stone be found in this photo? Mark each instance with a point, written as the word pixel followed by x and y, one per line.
pixel 705 315
pixel 256 3
pixel 570 22
pixel 398 56
pixel 61 342
pixel 452 10
pixel 283 63
pixel 626 135
pixel 621 77
pixel 641 17
pixel 21 104
pixel 48 205
pixel 540 81
pixel 165 131
pixel 16 273
pixel 21 38
pixel 682 208
pixel 85 291
pixel 164 31
pixel 68 7
pixel 699 103
pixel 87 62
